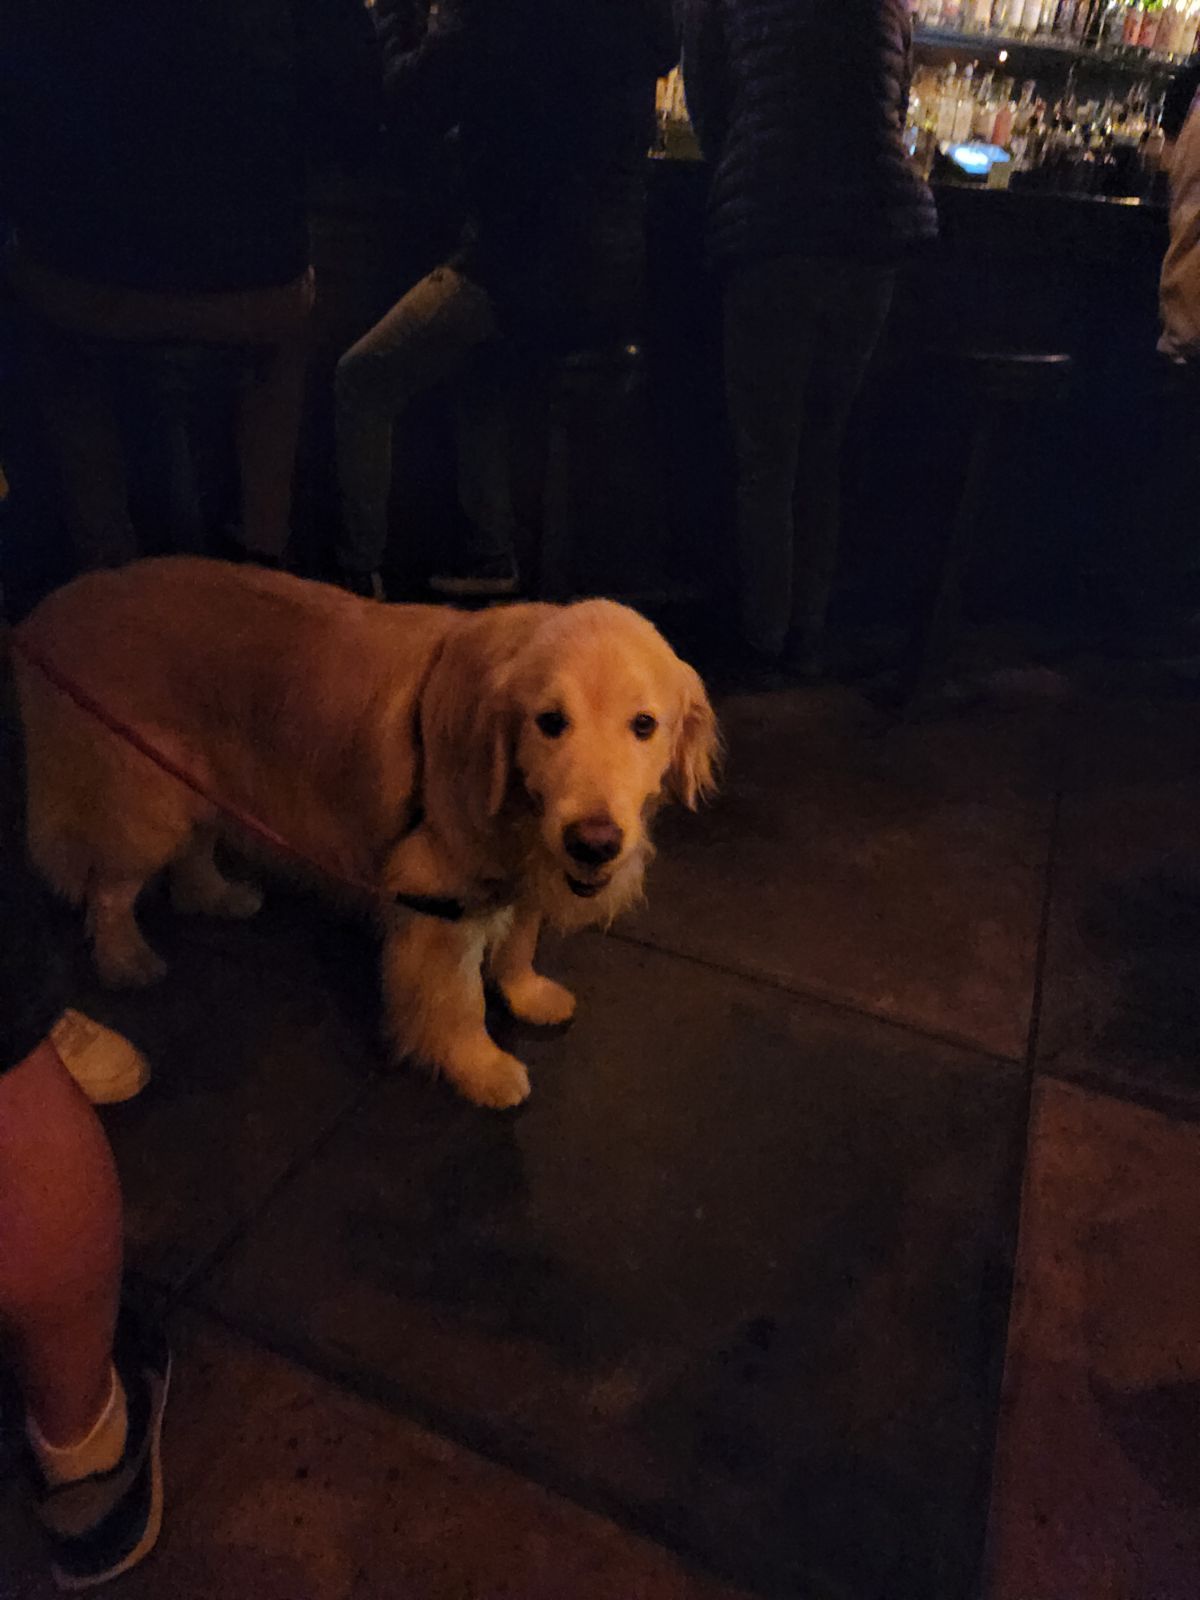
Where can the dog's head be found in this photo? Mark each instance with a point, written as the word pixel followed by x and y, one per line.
pixel 581 720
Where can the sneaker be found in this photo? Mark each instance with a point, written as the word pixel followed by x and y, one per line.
pixel 104 1064
pixel 102 1526
pixel 477 577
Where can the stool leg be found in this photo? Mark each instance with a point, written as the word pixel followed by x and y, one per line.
pixel 937 635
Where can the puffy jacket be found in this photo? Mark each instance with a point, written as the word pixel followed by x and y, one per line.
pixel 165 147
pixel 800 106
pixel 553 103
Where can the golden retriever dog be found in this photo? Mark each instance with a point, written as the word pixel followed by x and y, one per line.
pixel 509 760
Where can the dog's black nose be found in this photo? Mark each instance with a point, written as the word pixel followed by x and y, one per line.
pixel 593 841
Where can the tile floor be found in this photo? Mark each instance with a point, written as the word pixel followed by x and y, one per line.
pixel 846 1249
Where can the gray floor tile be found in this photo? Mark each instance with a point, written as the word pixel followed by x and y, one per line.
pixel 1121 1006
pixel 737 1272
pixel 282 1487
pixel 873 870
pixel 256 1048
pixel 1096 1487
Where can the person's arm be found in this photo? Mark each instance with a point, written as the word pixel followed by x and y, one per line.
pixel 705 73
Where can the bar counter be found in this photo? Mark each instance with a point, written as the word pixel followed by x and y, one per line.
pixel 1012 270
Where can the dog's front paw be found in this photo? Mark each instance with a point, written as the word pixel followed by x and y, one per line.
pixel 539 1001
pixel 489 1077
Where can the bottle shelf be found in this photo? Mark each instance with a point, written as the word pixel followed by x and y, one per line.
pixel 1050 51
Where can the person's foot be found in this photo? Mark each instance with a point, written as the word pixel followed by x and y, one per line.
pixel 367 585
pixel 477 576
pixel 104 1064
pixel 101 1526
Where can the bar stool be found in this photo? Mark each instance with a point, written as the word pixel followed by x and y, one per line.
pixel 1001 378
pixel 577 382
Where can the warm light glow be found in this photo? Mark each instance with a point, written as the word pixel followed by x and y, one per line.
pixel 1003 55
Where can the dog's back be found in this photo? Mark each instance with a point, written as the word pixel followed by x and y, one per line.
pixel 286 699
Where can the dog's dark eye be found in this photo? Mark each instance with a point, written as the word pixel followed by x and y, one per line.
pixel 644 725
pixel 552 723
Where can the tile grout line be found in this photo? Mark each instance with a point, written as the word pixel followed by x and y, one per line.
pixel 485 1441
pixel 815 997
pixel 1029 1090
pixel 181 1292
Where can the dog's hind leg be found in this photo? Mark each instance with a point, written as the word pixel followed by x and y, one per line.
pixel 123 958
pixel 199 886
pixel 433 991
pixel 529 996
pixel 130 842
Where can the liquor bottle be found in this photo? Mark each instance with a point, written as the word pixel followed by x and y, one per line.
pixel 924 144
pixel 1183 31
pixel 1006 110
pixel 977 16
pixel 983 116
pixel 1112 25
pixel 1177 31
pixel 946 105
pixel 964 110
pixel 1093 23
pixel 1151 22
pixel 1031 16
pixel 1001 20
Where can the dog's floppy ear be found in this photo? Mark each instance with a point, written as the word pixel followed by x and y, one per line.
pixel 692 773
pixel 467 730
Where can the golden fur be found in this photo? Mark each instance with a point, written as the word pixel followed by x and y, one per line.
pixel 396 745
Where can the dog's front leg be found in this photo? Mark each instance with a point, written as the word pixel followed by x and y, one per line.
pixel 528 995
pixel 433 992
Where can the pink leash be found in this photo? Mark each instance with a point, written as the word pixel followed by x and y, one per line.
pixel 427 905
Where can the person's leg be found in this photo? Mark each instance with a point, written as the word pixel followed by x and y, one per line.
pixel 60 1267
pixel 768 346
pixel 93 1394
pixel 60 1207
pixel 424 339
pixel 854 307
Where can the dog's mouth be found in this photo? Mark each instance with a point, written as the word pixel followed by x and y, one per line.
pixel 586 889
